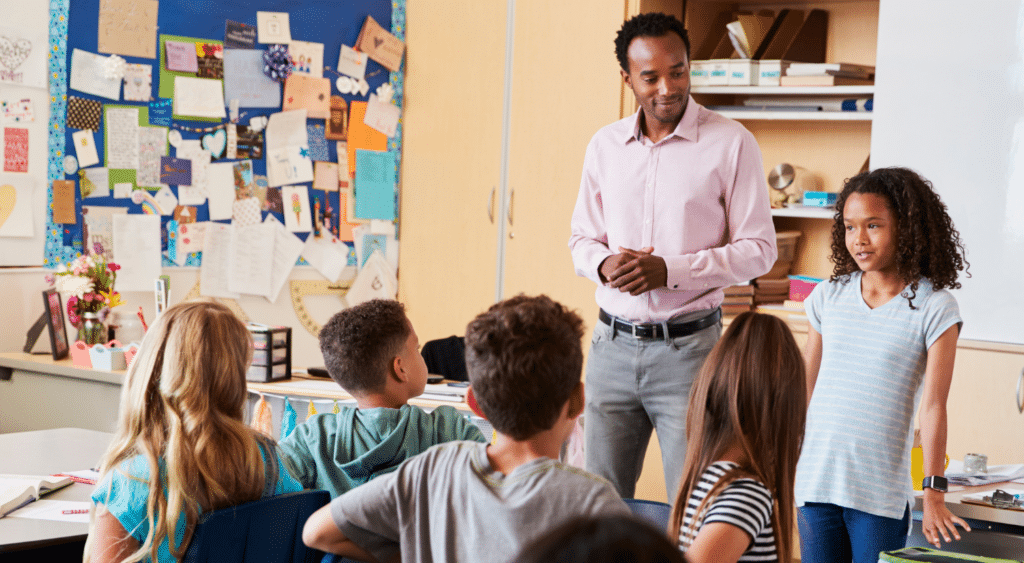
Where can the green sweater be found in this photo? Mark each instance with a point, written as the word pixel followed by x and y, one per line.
pixel 336 452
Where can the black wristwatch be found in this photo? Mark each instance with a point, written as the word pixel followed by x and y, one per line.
pixel 936 482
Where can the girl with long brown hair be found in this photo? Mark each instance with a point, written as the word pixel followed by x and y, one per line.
pixel 181 447
pixel 744 430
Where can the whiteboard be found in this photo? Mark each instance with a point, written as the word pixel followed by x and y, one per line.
pixel 949 103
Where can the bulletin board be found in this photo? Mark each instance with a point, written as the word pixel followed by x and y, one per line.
pixel 75 25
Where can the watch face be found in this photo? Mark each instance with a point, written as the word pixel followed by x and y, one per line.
pixel 936 482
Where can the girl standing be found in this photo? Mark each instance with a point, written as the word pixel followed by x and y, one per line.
pixel 181 447
pixel 744 427
pixel 882 340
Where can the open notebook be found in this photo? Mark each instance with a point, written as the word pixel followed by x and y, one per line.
pixel 18 490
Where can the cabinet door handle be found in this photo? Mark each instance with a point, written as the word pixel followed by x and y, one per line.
pixel 511 202
pixel 1020 392
pixel 490 205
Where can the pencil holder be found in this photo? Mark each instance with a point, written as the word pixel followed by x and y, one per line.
pixel 109 357
pixel 129 354
pixel 80 355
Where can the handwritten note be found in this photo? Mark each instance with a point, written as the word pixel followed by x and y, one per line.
pixel 287 249
pixel 198 97
pixel 137 250
pixel 252 260
pixel 215 272
pixel 99 227
pixel 87 76
pixel 181 56
pixel 128 27
pixel 138 83
pixel 152 146
pixel 122 133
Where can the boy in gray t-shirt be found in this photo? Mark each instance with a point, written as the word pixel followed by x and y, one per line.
pixel 465 501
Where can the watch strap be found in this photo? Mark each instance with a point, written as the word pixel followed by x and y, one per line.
pixel 936 482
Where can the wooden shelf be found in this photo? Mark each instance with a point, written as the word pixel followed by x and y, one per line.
pixel 806 212
pixel 740 115
pixel 786 90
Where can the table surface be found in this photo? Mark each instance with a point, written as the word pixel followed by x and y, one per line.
pixel 978 511
pixel 44 452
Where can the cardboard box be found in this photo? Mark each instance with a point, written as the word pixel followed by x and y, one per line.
pixel 769 72
pixel 743 72
pixel 699 73
pixel 718 72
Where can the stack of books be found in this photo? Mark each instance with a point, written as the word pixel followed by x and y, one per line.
pixel 828 74
pixel 790 311
pixel 770 291
pixel 738 298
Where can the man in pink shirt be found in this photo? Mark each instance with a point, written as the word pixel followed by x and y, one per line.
pixel 672 207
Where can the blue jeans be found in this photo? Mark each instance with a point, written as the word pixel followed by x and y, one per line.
pixel 832 534
pixel 635 385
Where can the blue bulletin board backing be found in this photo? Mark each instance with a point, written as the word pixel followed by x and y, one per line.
pixel 73 24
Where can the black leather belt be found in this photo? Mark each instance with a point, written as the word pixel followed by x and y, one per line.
pixel 654 330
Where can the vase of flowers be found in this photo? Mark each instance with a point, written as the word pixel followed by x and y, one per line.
pixel 87 283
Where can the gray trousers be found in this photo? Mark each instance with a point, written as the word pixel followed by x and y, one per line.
pixel 636 385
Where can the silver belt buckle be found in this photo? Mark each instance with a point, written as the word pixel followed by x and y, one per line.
pixel 632 327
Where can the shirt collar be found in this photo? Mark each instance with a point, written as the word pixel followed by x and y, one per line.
pixel 686 128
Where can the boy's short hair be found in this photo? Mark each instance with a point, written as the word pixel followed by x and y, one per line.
pixel 359 343
pixel 524 359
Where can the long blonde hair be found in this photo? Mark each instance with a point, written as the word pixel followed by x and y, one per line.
pixel 182 402
pixel 751 392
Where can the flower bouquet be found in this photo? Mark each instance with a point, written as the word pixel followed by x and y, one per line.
pixel 87 282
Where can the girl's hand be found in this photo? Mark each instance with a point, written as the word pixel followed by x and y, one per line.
pixel 938 520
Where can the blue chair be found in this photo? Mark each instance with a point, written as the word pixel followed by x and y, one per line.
pixel 265 531
pixel 657 513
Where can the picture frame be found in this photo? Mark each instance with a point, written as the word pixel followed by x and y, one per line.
pixel 55 322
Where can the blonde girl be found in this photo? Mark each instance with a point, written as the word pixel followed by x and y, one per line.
pixel 744 429
pixel 181 447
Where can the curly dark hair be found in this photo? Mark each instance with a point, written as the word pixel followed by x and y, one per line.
pixel 360 342
pixel 928 245
pixel 653 24
pixel 524 357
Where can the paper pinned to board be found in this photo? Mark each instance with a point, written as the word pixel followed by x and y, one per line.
pixel 16 194
pixel 128 27
pixel 252 260
pixel 199 97
pixel 328 255
pixel 87 75
pixel 137 250
pixel 215 271
pixel 374 280
pixel 287 250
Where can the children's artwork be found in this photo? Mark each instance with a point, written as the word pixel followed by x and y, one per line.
pixel 297 215
pixel 137 250
pixel 375 185
pixel 84 113
pixel 287 128
pixel 181 56
pixel 85 149
pixel 337 123
pixel 121 146
pixel 198 97
pixel 165 199
pixel 360 135
pixel 98 228
pixel 152 147
pixel 309 93
pixel 160 112
pixel 17 111
pixel 175 171
pixel 249 142
pixel 63 192
pixel 238 35
pixel 128 27
pixel 382 116
pixel 273 201
pixel 352 63
pixel 317 142
pixel 289 165
pixel 138 82
pixel 215 143
pixel 374 280
pixel 244 80
pixel 245 212
pixel 273 27
pixel 16 206
pixel 325 176
pixel 211 60
pixel 191 150
pixel 87 75
pixel 242 176
pixel 123 190
pixel 94 182
pixel 380 45
pixel 185 214
pixel 190 240
pixel 15 149
pixel 307 58
pixel 22 57
pixel 372 243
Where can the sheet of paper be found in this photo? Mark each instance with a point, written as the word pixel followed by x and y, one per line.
pixel 372 282
pixel 16 213
pixel 98 231
pixel 181 56
pixel 215 271
pixel 318 149
pixel 287 250
pixel 63 196
pixel 138 83
pixel 380 45
pixel 98 181
pixel 289 165
pixel 160 112
pixel 352 62
pixel 252 260
pixel 382 116
pixel 286 129
pixel 191 149
pixel 307 58
pixel 23 57
pixel 15 149
pixel 297 215
pixel 198 97
pixel 245 212
pixel 128 27
pixel 309 93
pixel 244 80
pixel 325 176
pixel 46 509
pixel 152 148
pixel 17 111
pixel 220 183
pixel 122 137
pixel 85 148
pixel 273 27
pixel 137 250
pixel 360 135
pixel 238 35
pixel 327 255
pixel 375 185
pixel 175 171
pixel 190 240
pixel 345 215
pixel 87 76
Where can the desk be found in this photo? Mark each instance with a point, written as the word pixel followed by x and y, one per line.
pixel 44 452
pixel 995 532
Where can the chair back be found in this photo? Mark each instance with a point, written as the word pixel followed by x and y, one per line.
pixel 446 357
pixel 268 530
pixel 657 513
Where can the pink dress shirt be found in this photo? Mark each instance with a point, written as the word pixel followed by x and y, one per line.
pixel 698 197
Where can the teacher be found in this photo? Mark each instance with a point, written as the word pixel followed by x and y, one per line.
pixel 672 207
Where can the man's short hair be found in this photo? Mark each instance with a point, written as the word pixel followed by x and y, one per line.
pixel 359 343
pixel 524 359
pixel 653 24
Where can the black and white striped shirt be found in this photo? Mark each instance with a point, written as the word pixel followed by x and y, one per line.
pixel 744 503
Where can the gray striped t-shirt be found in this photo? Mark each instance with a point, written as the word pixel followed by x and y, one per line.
pixel 856 450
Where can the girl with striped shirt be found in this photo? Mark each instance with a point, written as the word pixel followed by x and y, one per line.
pixel 744 429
